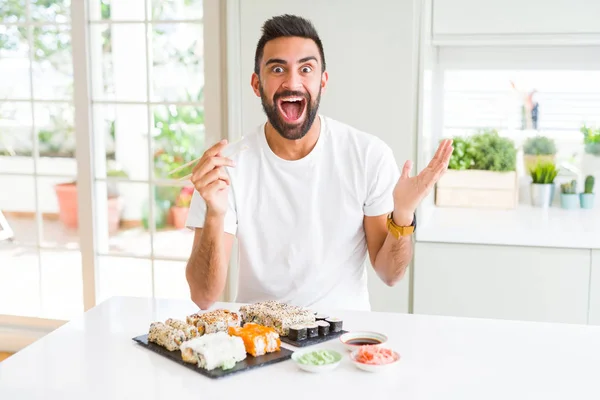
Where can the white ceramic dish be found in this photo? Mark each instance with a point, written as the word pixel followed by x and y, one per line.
pixel 316 368
pixel 371 367
pixel 374 338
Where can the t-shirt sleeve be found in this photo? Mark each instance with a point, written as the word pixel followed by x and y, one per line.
pixel 383 174
pixel 197 213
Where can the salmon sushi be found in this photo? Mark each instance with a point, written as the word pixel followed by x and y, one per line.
pixel 258 339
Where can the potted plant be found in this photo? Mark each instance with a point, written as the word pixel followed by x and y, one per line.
pixel 586 199
pixel 542 185
pixel 568 195
pixel 538 149
pixel 481 173
pixel 590 162
pixel 181 208
pixel 68 207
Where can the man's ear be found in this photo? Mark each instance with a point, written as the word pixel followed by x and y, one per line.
pixel 324 80
pixel 255 82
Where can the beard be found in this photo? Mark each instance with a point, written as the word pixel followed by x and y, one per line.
pixel 287 130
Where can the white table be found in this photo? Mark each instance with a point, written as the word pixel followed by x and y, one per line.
pixel 93 357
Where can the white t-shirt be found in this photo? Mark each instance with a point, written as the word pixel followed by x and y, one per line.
pixel 299 224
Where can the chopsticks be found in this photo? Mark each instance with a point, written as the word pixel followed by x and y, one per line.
pixel 198 159
pixel 191 162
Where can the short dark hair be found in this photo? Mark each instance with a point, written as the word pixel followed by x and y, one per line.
pixel 287 26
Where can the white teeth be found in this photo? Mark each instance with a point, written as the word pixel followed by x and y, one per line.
pixel 292 99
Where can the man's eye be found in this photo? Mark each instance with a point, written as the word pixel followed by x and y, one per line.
pixel 306 69
pixel 277 69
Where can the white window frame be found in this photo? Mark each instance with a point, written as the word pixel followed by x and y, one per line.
pixel 19 331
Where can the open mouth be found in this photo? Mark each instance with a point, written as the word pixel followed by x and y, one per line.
pixel 292 108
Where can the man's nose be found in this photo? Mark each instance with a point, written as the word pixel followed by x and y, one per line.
pixel 293 81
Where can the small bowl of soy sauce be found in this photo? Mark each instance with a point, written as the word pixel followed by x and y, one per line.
pixel 356 339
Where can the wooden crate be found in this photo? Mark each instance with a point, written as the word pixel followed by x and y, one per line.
pixel 478 189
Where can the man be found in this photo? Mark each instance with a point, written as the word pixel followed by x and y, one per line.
pixel 308 198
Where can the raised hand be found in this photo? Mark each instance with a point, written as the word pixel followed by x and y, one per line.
pixel 211 180
pixel 410 191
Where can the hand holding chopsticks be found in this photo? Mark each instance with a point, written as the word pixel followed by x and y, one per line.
pixel 210 178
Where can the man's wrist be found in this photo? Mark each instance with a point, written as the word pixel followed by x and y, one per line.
pixel 403 217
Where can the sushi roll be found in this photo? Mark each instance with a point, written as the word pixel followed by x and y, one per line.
pixel 298 333
pixel 323 328
pixel 335 324
pixel 321 317
pixel 312 330
pixel 258 339
pixel 190 331
pixel 166 336
pixel 214 350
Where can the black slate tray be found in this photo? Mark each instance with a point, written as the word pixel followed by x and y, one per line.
pixel 313 340
pixel 250 362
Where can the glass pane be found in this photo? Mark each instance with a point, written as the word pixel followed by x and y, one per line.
pixel 51 10
pixel 52 63
pixel 170 281
pixel 118 68
pixel 178 138
pixel 19 280
pixel 123 228
pixel 177 62
pixel 177 9
pixel 59 207
pixel 117 10
pixel 62 285
pixel 12 11
pixel 18 207
pixel 120 276
pixel 16 126
pixel 14 62
pixel 121 140
pixel 55 127
pixel 172 239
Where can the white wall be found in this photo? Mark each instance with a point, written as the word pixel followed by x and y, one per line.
pixel 568 21
pixel 370 55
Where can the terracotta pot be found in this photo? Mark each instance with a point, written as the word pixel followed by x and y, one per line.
pixel 66 194
pixel 179 215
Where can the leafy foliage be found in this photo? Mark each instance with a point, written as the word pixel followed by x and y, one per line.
pixel 591 140
pixel 463 154
pixel 485 150
pixel 544 173
pixel 539 146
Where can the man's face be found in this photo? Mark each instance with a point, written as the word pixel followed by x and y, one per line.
pixel 290 84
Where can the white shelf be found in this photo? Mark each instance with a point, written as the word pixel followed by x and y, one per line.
pixel 523 226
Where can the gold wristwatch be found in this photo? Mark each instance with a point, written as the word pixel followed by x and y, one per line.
pixel 397 230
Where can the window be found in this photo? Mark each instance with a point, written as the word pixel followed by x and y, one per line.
pixel 521 92
pixel 146 111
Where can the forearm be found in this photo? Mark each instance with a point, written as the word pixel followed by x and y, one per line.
pixel 395 254
pixel 206 270
pixel 393 258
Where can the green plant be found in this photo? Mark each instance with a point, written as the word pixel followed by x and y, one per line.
pixel 493 152
pixel 591 140
pixel 462 155
pixel 539 146
pixel 569 187
pixel 544 173
pixel 589 184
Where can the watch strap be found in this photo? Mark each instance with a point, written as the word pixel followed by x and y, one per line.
pixel 397 231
